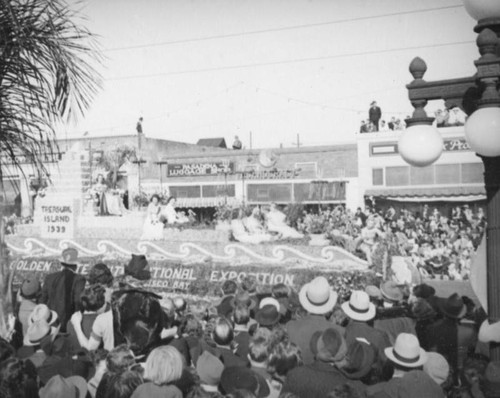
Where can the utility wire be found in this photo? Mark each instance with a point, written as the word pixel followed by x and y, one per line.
pixel 282 29
pixel 289 61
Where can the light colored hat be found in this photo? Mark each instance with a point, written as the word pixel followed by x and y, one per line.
pixel 437 367
pixel 269 301
pixel 391 291
pixel 59 387
pixel 37 332
pixel 209 368
pixel 406 351
pixel 69 256
pixel 317 297
pixel 42 312
pixel 359 307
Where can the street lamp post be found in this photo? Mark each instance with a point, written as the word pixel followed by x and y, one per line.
pixel 161 163
pixel 139 162
pixel 421 145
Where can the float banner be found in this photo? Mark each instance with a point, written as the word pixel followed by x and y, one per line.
pixel 197 279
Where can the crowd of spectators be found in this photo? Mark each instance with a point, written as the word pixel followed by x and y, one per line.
pixel 101 336
pixel 440 245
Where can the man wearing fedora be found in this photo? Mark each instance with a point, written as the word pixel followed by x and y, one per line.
pixel 361 311
pixel 449 336
pixel 317 298
pixel 61 290
pixel 408 380
pixel 317 379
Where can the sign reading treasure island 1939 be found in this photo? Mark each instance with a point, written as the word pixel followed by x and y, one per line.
pixel 57 219
pixel 199 169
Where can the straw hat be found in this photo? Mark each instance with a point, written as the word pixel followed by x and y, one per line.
pixel 406 351
pixel 317 297
pixel 359 307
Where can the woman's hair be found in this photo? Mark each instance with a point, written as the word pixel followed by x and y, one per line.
pixel 93 298
pixel 344 391
pixel 164 365
pixel 120 359
pixel 191 326
pixel 170 198
pixel 155 196
pixel 100 273
pixel 123 385
pixel 258 349
pixel 280 290
pixel 283 357
pixel 223 331
pixel 241 315
pixel 12 378
pixel 229 287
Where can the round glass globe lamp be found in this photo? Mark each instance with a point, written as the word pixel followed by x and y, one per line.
pixel 482 9
pixel 482 131
pixel 420 145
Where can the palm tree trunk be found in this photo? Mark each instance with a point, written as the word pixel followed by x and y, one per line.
pixel 5 291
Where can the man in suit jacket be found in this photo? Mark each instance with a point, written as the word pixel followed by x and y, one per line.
pixel 318 299
pixel 61 290
pixel 374 114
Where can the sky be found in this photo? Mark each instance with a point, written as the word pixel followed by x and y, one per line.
pixel 271 70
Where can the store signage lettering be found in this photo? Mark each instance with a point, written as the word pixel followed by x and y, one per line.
pixel 456 144
pixel 199 169
pixel 272 174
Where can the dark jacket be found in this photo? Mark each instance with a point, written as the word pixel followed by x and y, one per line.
pixel 317 380
pixel 377 338
pixel 61 292
pixel 414 384
pixel 301 331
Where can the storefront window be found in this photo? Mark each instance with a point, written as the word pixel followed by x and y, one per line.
pixel 214 191
pixel 422 175
pixel 472 173
pixel 269 192
pixel 317 191
pixel 378 177
pixel 447 173
pixel 188 191
pixel 397 176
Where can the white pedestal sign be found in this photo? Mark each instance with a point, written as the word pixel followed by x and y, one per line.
pixel 57 218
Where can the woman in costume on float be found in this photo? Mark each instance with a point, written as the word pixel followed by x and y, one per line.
pixel 100 189
pixel 276 222
pixel 169 214
pixel 153 227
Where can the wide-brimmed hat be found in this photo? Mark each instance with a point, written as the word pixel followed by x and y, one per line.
pixel 490 384
pixel 424 291
pixel 269 301
pixel 42 312
pixel 374 292
pixel 437 367
pixel 37 332
pixel 138 267
pixel 243 298
pixel 59 387
pixel 238 377
pixel 30 287
pixel 317 297
pixel 328 346
pixel 453 307
pixel 267 315
pixel 359 307
pixel 360 359
pixel 209 368
pixel 406 351
pixel 69 256
pixel 391 291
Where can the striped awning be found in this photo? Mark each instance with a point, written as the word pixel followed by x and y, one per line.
pixel 205 202
pixel 462 193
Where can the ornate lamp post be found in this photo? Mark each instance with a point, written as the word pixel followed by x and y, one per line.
pixel 420 144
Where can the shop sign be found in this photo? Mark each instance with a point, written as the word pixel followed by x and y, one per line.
pixel 274 174
pixel 455 145
pixel 199 169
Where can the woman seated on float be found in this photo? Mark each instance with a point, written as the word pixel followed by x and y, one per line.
pixel 242 234
pixel 169 214
pixel 153 227
pixel 276 222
